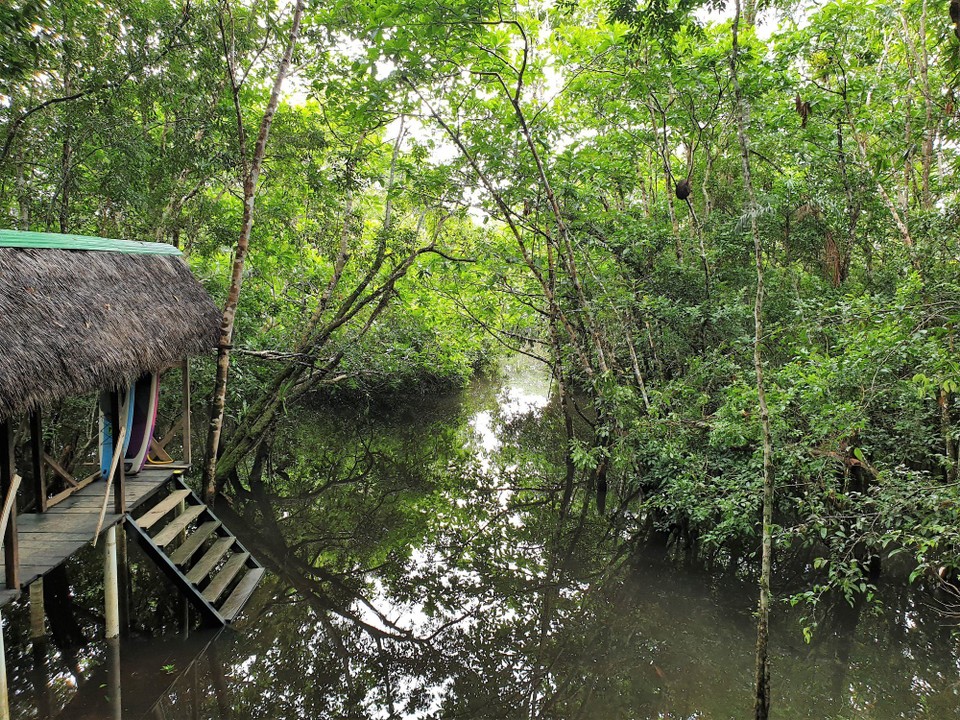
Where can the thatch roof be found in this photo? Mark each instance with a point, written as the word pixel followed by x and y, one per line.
pixel 75 321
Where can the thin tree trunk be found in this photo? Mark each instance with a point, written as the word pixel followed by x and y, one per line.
pixel 852 204
pixel 944 401
pixel 919 62
pixel 762 677
pixel 23 191
pixel 663 148
pixel 251 176
pixel 66 156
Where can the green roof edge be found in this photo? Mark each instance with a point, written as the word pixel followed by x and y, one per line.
pixel 58 241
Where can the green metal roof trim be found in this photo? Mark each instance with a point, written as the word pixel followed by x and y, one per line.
pixel 57 241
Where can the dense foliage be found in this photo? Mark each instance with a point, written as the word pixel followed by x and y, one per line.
pixel 445 179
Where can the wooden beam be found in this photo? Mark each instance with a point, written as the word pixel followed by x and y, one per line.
pixel 158 456
pixel 11 543
pixel 177 427
pixel 119 479
pixel 58 469
pixel 36 456
pixel 63 495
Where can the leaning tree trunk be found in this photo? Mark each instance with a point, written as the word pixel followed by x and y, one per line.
pixel 251 176
pixel 762 697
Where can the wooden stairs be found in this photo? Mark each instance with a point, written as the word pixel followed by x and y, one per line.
pixel 198 553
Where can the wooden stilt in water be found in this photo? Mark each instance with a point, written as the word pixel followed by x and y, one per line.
pixel 38 641
pixel 123 570
pixel 4 695
pixel 38 628
pixel 111 591
pixel 184 610
pixel 116 706
pixel 41 678
pixel 8 486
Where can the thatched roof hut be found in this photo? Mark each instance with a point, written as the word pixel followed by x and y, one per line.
pixel 80 314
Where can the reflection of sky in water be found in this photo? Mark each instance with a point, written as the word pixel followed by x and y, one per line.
pixel 412 617
pixel 525 389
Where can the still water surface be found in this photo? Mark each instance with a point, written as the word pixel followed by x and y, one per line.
pixel 416 571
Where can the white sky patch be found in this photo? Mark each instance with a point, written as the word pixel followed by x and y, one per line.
pixel 767 21
pixel 526 389
pixel 526 386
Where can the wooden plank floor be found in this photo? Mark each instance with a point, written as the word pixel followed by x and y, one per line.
pixel 47 539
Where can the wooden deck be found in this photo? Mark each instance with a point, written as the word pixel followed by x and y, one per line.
pixel 47 539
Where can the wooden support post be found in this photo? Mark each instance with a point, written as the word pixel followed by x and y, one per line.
pixel 4 693
pixel 38 641
pixel 184 610
pixel 111 591
pixel 41 678
pixel 11 546
pixel 116 707
pixel 36 453
pixel 195 692
pixel 119 479
pixel 187 449
pixel 38 627
pixel 123 569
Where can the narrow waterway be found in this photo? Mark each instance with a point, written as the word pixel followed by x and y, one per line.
pixel 417 570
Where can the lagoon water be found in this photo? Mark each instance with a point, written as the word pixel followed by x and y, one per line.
pixel 417 569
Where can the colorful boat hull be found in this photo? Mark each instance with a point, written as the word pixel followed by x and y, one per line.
pixel 106 427
pixel 146 398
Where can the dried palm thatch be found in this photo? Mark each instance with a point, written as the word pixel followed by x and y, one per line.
pixel 76 321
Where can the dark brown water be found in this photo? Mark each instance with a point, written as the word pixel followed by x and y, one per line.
pixel 416 571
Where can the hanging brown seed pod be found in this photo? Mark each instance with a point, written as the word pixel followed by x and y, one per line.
pixel 803 108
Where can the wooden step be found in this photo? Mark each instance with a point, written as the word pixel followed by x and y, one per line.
pixel 178 525
pixel 209 556
pixel 208 562
pixel 151 517
pixel 182 554
pixel 238 598
pixel 223 578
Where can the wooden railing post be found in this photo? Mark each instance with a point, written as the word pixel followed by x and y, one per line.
pixel 11 547
pixel 119 478
pixel 36 459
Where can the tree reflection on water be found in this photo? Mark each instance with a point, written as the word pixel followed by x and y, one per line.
pixel 418 568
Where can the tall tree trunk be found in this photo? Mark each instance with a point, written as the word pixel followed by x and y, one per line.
pixel 663 148
pixel 251 176
pixel 762 678
pixel 919 64
pixel 944 400
pixel 853 207
pixel 20 179
pixel 66 150
pixel 66 160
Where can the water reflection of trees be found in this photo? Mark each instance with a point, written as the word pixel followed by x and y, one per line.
pixel 410 579
pixel 414 575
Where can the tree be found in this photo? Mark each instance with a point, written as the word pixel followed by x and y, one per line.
pixel 251 174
